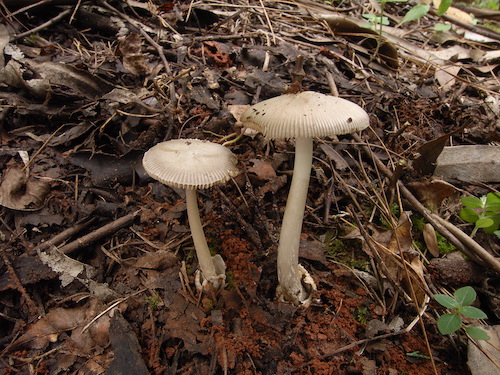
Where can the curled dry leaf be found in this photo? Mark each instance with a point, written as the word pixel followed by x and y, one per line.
pixel 50 78
pixel 432 192
pixel 367 38
pixel 18 192
pixel 48 328
pixel 262 169
pixel 430 239
pixel 132 57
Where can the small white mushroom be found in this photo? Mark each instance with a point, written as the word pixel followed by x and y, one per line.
pixel 193 164
pixel 301 116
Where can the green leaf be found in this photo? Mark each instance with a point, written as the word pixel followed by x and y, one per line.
pixel 473 312
pixel 443 6
pixel 465 295
pixel 448 323
pixel 469 215
pixel 492 202
pixel 484 222
pixel 497 232
pixel 442 27
pixel 496 224
pixel 446 301
pixel 418 11
pixel 472 202
pixel 374 19
pixel 477 333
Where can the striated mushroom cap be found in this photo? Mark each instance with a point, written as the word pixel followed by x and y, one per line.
pixel 190 163
pixel 306 114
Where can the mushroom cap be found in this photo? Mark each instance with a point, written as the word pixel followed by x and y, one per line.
pixel 306 114
pixel 190 163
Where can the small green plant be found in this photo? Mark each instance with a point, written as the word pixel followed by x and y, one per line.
pixel 362 314
pixel 336 250
pixel 487 4
pixel 380 19
pixel 483 212
pixel 418 11
pixel 416 354
pixel 153 301
pixel 460 304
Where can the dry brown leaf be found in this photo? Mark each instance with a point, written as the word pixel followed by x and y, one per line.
pixel 51 78
pixel 18 192
pixel 432 192
pixel 262 169
pixel 430 239
pixel 58 320
pixel 446 76
pixel 132 57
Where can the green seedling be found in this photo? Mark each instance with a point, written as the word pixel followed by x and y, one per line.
pixel 460 304
pixel 483 212
pixel 416 354
pixel 418 11
pixel 362 314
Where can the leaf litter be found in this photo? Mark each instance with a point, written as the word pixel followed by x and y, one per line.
pixel 85 106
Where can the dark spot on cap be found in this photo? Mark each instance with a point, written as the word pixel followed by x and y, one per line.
pixel 349 120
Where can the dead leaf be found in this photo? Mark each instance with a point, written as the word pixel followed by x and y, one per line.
pixel 432 192
pixel 262 169
pixel 393 244
pixel 427 154
pixel 72 132
pixel 430 239
pixel 334 156
pixel 158 260
pixel 132 57
pixel 49 78
pixel 18 192
pixel 57 320
pixel 455 13
pixel 367 38
pixel 446 76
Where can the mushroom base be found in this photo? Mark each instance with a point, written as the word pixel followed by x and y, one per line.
pixel 304 298
pixel 214 283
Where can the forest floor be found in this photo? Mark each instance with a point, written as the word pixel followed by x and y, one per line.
pixel 97 262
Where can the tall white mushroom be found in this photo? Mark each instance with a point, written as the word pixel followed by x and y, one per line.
pixel 301 116
pixel 193 164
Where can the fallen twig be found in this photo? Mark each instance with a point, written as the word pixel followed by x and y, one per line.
pixel 102 232
pixel 469 247
pixel 64 235
pixel 44 25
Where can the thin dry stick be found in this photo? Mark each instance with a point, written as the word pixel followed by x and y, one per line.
pixel 268 21
pixel 64 235
pixel 470 248
pixel 45 25
pixel 102 232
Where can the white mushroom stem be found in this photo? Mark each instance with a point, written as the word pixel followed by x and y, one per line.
pixel 205 261
pixel 289 271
